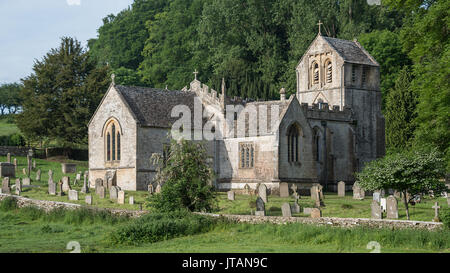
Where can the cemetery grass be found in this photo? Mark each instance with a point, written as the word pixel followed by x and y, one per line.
pixel 32 230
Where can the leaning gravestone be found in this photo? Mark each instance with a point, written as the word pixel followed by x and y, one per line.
pixel 52 188
pixel 73 195
pixel 121 197
pixel 260 207
pixel 391 207
pixel 113 192
pixel 66 183
pixel 88 199
pixel 284 189
pixel 358 192
pixel 341 189
pixel 286 210
pixel 316 213
pixel 262 192
pixel 231 195
pixel 26 181
pixel 5 186
pixel 376 210
pixel 38 175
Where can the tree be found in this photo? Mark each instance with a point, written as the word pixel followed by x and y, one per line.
pixel 9 98
pixel 410 172
pixel 400 112
pixel 61 95
pixel 185 177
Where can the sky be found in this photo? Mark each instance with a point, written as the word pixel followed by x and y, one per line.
pixel 30 28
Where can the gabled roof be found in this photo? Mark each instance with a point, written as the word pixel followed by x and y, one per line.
pixel 152 106
pixel 351 51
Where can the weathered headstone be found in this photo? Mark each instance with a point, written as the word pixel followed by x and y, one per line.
pixel 307 211
pixel 50 175
pixel 295 208
pixel 7 170
pixel 318 199
pixel 15 164
pixel 391 207
pixel 110 183
pixel 113 193
pixel 8 157
pixel 150 189
pixel 262 192
pixel 5 186
pixel 85 187
pixel 24 171
pixel 68 168
pixel 247 189
pixel 294 189
pixel 18 186
pixel 286 210
pixel 376 210
pixel 78 177
pixel 52 188
pixel 376 196
pixel 60 188
pixel 131 200
pixel 101 192
pixel 121 197
pixel 436 208
pixel 66 183
pixel 98 184
pixel 358 192
pixel 231 195
pixel 341 189
pixel 73 195
pixel 260 207
pixel 316 213
pixel 88 199
pixel 26 181
pixel 111 179
pixel 34 164
pixel 284 189
pixel 38 175
pixel 383 204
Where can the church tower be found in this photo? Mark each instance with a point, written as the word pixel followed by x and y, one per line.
pixel 339 73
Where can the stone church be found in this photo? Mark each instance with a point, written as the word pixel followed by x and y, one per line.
pixel 324 134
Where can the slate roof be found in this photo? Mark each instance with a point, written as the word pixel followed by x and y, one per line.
pixel 351 51
pixel 152 106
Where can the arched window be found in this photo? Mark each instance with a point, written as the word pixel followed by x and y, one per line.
pixel 112 141
pixel 315 68
pixel 293 143
pixel 329 70
pixel 316 144
pixel 247 154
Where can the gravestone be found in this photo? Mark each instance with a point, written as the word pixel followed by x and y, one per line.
pixel 286 210
pixel 158 188
pixel 101 192
pixel 316 213
pixel 260 207
pixel 436 208
pixel 29 163
pixel 247 190
pixel 284 189
pixel 34 164
pixel 68 168
pixel 26 181
pixel 78 177
pixel 85 187
pixel 98 184
pixel 18 186
pixel 262 192
pixel 231 195
pixel 316 187
pixel 131 200
pixel 121 197
pixel 307 211
pixel 110 179
pixel 358 192
pixel 383 204
pixel 15 164
pixel 50 175
pixel 73 195
pixel 5 186
pixel 88 199
pixel 38 175
pixel 391 207
pixel 52 188
pixel 376 196
pixel 110 183
pixel 113 193
pixel 295 208
pixel 24 171
pixel 60 188
pixel 8 157
pixel 150 189
pixel 66 183
pixel 318 200
pixel 376 210
pixel 7 170
pixel 341 189
pixel 294 189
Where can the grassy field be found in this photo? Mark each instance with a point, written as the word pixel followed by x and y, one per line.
pixel 335 206
pixel 31 230
pixel 6 128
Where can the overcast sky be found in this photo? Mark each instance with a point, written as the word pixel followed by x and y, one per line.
pixel 30 28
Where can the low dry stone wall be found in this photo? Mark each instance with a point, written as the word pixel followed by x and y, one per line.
pixel 51 205
pixel 331 221
pixel 324 221
pixel 14 151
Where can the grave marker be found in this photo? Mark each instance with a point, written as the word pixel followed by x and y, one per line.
pixel 88 199
pixel 376 210
pixel 284 189
pixel 391 207
pixel 260 207
pixel 316 213
pixel 5 186
pixel 121 197
pixel 73 195
pixel 341 189
pixel 66 183
pixel 262 192
pixel 231 195
pixel 286 210
pixel 436 208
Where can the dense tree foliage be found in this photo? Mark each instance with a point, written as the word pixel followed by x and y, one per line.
pixel 61 95
pixel 9 98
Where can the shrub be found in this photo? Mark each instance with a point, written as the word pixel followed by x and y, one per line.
pixel 444 215
pixel 156 227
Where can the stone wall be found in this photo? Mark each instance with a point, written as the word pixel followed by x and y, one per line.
pixel 329 221
pixel 15 151
pixel 51 205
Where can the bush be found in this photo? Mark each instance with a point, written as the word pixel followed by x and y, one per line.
pixel 444 215
pixel 12 140
pixel 156 227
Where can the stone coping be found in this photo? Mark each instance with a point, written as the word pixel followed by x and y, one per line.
pixel 329 221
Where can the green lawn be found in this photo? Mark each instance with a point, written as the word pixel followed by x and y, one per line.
pixel 345 207
pixel 7 129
